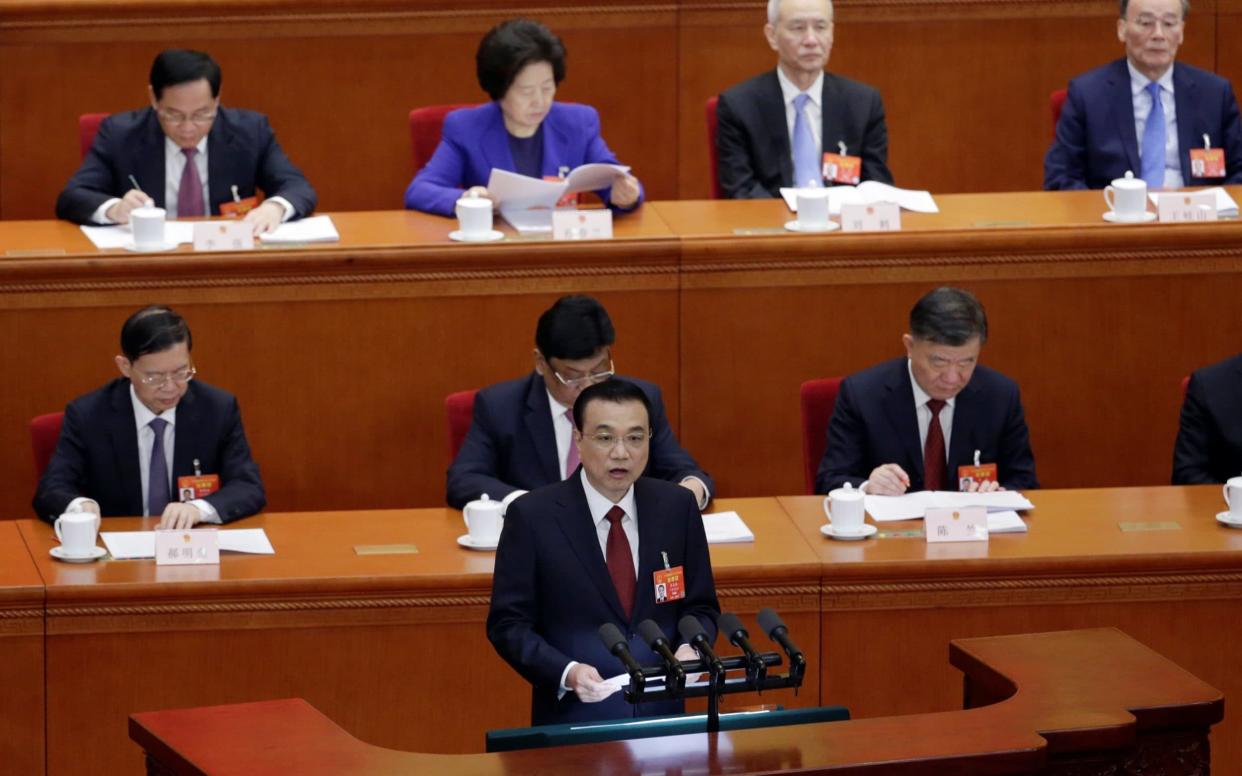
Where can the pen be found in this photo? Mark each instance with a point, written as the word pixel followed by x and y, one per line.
pixel 134 182
pixel 236 196
pixel 976 458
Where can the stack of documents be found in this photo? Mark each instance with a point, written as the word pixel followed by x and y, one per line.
pixel 912 506
pixel 527 203
pixel 306 230
pixel 726 528
pixel 124 545
pixel 1226 207
pixel 1005 522
pixel 121 236
pixel 869 193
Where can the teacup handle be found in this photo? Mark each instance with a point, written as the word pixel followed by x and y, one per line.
pixel 1108 190
pixel 465 519
pixel 827 502
pixel 1228 503
pixel 61 539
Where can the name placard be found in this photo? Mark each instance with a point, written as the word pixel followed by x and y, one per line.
pixel 223 236
pixel 945 524
pixel 879 217
pixel 1186 207
pixel 581 224
pixel 197 546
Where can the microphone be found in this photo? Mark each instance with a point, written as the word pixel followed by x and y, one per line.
pixel 616 643
pixel 692 633
pixel 772 624
pixel 735 632
pixel 675 675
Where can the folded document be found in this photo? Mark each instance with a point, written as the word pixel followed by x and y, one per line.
pixel 869 193
pixel 124 545
pixel 911 506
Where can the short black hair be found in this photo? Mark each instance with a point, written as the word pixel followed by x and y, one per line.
pixel 617 391
pixel 182 66
pixel 153 329
pixel 512 45
pixel 948 316
pixel 574 327
pixel 1125 6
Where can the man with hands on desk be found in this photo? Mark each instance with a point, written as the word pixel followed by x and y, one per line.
pixel 591 550
pixel 187 154
pixel 934 419
pixel 126 448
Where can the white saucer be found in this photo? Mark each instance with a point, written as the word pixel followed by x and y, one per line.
pixel 95 554
pixel 1113 218
pixel 168 246
pixel 492 236
pixel 1224 519
pixel 862 533
pixel 470 544
pixel 794 226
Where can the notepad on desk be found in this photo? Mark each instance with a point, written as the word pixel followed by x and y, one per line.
pixel 912 506
pixel 726 528
pixel 315 229
pixel 129 545
pixel 121 236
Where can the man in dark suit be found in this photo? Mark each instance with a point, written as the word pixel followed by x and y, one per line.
pixel 1104 130
pixel 123 447
pixel 909 423
pixel 521 435
pixel 1209 437
pixel 773 130
pixel 188 155
pixel 580 553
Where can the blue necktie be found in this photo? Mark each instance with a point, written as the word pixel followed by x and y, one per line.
pixel 806 166
pixel 157 482
pixel 1152 153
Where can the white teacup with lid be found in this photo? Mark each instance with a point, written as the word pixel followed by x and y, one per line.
pixel 1127 198
pixel 484 520
pixel 846 509
pixel 76 532
pixel 1233 498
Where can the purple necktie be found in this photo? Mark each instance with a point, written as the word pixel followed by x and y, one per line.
pixel 572 458
pixel 157 481
pixel 190 195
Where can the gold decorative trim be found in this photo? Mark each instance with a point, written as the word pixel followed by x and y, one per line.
pixel 15 614
pixel 1034 582
pixel 724 591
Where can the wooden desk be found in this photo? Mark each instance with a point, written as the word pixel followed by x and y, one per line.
pixel 1086 702
pixel 393 647
pixel 890 603
pixel 21 656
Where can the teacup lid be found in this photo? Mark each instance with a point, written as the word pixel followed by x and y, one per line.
pixel 846 493
pixel 484 503
pixel 1129 181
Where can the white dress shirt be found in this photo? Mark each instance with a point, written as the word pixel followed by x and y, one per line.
pixel 814 110
pixel 924 414
pixel 1173 178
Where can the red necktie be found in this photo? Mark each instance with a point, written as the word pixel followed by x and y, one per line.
pixel 620 561
pixel 190 194
pixel 933 450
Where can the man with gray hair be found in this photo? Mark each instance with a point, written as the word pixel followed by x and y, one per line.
pixel 916 423
pixel 775 128
pixel 1169 123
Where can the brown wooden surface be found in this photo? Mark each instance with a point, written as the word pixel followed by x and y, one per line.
pixel 21 656
pixel 357 636
pixel 1081 690
pixel 890 602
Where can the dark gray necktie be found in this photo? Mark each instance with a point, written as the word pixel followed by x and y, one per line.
pixel 157 483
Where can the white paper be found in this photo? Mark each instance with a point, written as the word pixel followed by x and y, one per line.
pixel 124 545
pixel 1226 207
pixel 621 681
pixel 527 203
pixel 305 230
pixel 911 506
pixel 868 193
pixel 1005 522
pixel 726 528
pixel 120 235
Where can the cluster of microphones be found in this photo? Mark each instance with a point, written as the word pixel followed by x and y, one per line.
pixel 673 672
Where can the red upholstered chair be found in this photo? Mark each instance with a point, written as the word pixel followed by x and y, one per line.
pixel 44 433
pixel 1185 385
pixel 88 125
pixel 460 409
pixel 425 124
pixel 1056 101
pixel 712 154
pixel 819 397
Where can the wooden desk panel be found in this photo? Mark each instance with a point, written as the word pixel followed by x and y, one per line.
pixel 891 602
pixel 21 656
pixel 358 636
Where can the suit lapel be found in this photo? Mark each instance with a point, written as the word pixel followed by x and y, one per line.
pixel 124 435
pixel 494 141
pixel 1188 136
pixel 1123 114
pixel 554 140
pixel 832 131
pixel 219 172
pixel 188 429
pixel 899 406
pixel 650 543
pixel 962 439
pixel 149 162
pixel 772 109
pixel 538 422
pixel 574 518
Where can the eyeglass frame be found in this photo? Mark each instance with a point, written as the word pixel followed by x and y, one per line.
pixel 591 379
pixel 623 438
pixel 160 379
pixel 197 119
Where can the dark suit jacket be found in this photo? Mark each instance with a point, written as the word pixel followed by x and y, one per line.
pixel 874 423
pixel 1209 437
pixel 1096 141
pixel 97 453
pixel 241 151
pixel 551 592
pixel 511 445
pixel 752 137
pixel 474 141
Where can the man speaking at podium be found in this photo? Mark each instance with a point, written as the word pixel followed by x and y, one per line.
pixel 585 551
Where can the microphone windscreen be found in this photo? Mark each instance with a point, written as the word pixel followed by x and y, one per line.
pixel 611 635
pixel 651 633
pixel 769 621
pixel 690 628
pixel 731 626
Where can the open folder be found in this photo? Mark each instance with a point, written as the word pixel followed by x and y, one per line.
pixel 527 203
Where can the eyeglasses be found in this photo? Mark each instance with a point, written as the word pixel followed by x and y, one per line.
pixel 1148 23
pixel 592 379
pixel 635 440
pixel 160 379
pixel 177 119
